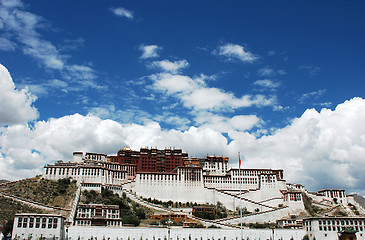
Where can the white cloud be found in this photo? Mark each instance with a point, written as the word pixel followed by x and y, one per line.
pixel 45 88
pixel 178 122
pixel 23 26
pixel 267 83
pixel 225 124
pixel 266 72
pixel 319 149
pixel 270 72
pixel 80 72
pixel 235 51
pixel 109 111
pixel 149 51
pixel 21 29
pixel 12 3
pixel 6 44
pixel 312 95
pixel 195 95
pixel 312 70
pixel 122 12
pixel 170 67
pixel 15 105
pixel 174 84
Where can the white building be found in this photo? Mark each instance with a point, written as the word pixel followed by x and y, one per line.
pixel 262 189
pixel 322 228
pixel 36 226
pixel 334 195
pixel 205 180
pixel 88 171
pixel 98 215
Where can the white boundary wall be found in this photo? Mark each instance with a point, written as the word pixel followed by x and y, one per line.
pixel 99 233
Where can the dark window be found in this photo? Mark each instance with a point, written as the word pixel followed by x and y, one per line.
pixel 31 222
pixel 25 222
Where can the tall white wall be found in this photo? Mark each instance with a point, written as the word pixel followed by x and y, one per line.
pixel 85 233
pixel 186 191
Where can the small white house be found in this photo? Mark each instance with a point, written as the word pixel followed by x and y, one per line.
pixel 38 226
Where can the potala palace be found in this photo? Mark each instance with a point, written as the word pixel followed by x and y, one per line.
pixel 180 179
pixel 170 175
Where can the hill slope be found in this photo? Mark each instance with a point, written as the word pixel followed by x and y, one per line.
pixel 53 193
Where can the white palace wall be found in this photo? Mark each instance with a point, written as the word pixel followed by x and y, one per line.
pixel 262 217
pixel 89 173
pixel 166 187
pixel 99 233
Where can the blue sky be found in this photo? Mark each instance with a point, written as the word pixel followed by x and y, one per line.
pixel 265 78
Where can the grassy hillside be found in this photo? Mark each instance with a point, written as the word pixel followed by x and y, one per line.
pixel 8 208
pixel 54 193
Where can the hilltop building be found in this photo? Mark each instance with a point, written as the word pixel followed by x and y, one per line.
pixel 170 175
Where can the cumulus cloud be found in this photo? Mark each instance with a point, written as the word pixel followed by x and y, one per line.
pixel 25 150
pixel 122 12
pixel 149 51
pixel 318 149
pixel 235 51
pixel 168 66
pixel 194 93
pixel 16 106
pixel 224 124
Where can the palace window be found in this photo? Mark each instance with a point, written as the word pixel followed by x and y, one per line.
pixel 44 221
pixel 31 222
pixel 37 222
pixel 25 222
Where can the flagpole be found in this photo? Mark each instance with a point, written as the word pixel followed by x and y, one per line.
pixel 240 183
